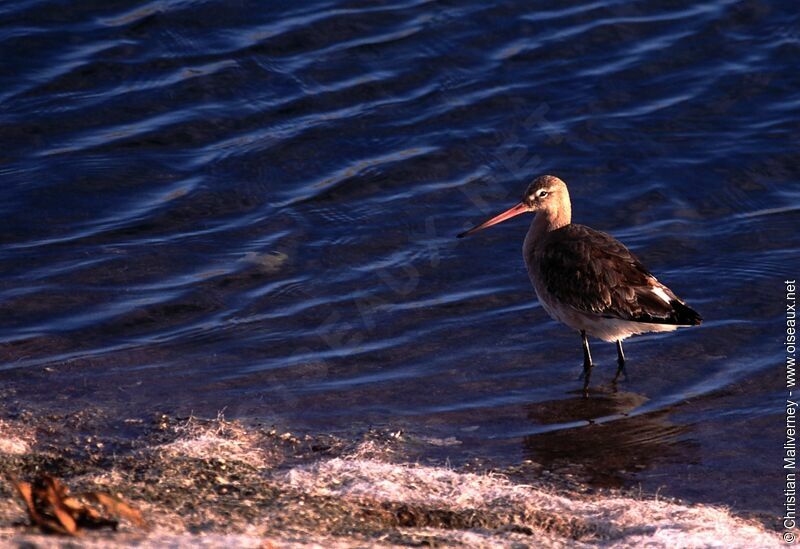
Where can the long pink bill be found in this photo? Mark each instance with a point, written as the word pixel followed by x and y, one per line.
pixel 520 208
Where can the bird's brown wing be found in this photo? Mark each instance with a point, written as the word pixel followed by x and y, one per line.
pixel 595 273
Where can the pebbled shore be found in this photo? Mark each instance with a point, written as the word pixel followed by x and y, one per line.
pixel 219 483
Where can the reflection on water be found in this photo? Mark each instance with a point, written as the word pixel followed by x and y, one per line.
pixel 253 208
pixel 607 443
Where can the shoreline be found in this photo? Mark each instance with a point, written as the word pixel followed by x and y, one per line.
pixel 220 482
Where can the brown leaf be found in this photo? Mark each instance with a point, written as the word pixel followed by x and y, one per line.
pixel 73 504
pixel 30 494
pixel 53 493
pixel 117 507
pixel 26 493
pixel 52 509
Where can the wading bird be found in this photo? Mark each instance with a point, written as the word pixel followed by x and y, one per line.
pixel 587 279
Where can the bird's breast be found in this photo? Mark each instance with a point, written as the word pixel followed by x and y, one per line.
pixel 532 263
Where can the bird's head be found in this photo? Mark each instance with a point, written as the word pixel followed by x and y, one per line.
pixel 546 193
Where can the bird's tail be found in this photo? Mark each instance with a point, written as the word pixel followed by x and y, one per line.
pixel 685 315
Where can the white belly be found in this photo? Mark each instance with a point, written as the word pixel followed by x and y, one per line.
pixel 607 329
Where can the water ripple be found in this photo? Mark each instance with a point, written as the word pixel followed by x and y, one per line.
pixel 230 203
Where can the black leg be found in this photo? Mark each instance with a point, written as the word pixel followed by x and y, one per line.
pixel 620 361
pixel 587 355
pixel 587 364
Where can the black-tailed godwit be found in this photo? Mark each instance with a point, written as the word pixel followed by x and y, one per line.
pixel 587 279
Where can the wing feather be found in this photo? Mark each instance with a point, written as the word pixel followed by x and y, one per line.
pixel 595 273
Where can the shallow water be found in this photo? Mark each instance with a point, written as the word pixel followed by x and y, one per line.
pixel 219 205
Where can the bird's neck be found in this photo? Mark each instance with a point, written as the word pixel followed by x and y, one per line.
pixel 543 223
pixel 550 220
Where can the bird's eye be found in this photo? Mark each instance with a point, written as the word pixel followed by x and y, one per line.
pixel 542 194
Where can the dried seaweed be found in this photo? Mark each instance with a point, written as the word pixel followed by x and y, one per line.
pixel 51 507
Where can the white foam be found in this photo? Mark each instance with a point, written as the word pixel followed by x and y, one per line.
pixel 610 521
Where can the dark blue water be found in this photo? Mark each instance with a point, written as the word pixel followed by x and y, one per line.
pixel 252 207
